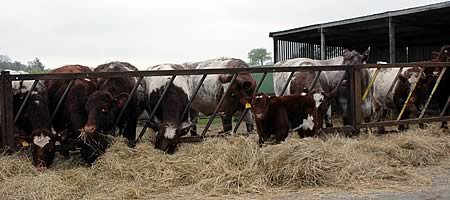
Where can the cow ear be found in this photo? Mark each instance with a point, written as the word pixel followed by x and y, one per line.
pixel 245 100
pixel 273 99
pixel 402 78
pixel 225 78
pixel 121 99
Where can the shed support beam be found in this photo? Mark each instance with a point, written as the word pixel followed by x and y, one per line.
pixel 391 41
pixel 275 50
pixel 322 44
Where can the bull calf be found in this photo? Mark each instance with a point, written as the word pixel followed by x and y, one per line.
pixel 274 116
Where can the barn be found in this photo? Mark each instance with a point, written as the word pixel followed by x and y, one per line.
pixel 398 36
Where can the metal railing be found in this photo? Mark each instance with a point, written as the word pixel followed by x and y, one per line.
pixel 353 73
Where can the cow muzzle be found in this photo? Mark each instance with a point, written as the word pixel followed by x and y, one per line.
pixel 90 129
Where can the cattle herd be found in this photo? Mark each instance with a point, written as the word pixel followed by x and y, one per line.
pixel 91 108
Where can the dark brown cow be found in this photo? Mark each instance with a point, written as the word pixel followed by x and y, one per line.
pixel 33 125
pixel 104 105
pixel 72 115
pixel 274 116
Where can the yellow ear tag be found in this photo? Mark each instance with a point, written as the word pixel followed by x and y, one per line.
pixel 248 105
pixel 24 143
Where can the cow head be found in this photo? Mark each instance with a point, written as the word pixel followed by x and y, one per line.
pixel 43 146
pixel 355 58
pixel 103 109
pixel 243 86
pixel 444 54
pixel 404 85
pixel 259 104
pixel 167 137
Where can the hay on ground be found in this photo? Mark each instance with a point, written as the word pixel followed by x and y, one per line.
pixel 229 166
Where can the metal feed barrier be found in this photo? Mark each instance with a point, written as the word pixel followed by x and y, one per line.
pixel 353 73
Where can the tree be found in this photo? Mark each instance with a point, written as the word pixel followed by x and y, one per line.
pixel 36 64
pixel 258 56
pixel 5 58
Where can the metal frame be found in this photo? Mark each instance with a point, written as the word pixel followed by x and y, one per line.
pixel 354 75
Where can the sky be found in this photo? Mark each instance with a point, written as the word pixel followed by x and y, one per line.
pixel 150 32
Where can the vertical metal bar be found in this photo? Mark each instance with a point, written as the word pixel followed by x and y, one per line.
pixel 432 92
pixel 316 78
pixel 391 41
pixel 218 105
pixel 66 91
pixel 275 50
pixel 409 96
pixel 166 88
pixel 8 111
pixel 133 91
pixel 287 83
pixel 322 44
pixel 367 90
pixel 236 127
pixel 188 106
pixel 19 112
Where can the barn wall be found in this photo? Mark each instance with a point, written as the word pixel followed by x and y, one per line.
pixel 290 50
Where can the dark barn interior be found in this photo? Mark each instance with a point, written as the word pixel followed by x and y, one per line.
pixel 399 36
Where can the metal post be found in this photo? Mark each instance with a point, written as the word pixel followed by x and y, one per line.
pixel 236 127
pixel 8 111
pixel 322 44
pixel 133 91
pixel 166 88
pixel 193 96
pixel 25 101
pixel 287 83
pixel 391 41
pixel 218 105
pixel 409 96
pixel 432 92
pixel 66 91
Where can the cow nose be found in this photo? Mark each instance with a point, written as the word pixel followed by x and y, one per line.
pixel 89 128
pixel 259 116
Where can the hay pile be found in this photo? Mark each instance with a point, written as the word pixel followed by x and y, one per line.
pixel 230 166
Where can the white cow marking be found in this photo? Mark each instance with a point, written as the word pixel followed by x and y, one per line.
pixel 303 94
pixel 41 141
pixel 37 102
pixel 170 132
pixel 259 97
pixel 308 123
pixel 318 98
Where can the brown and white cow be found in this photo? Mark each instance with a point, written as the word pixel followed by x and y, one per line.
pixel 33 125
pixel 274 116
pixel 328 81
pixel 106 102
pixel 215 85
pixel 167 121
pixel 72 115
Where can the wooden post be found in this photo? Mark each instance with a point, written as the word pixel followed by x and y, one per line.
pixel 355 94
pixel 391 41
pixel 322 44
pixel 2 115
